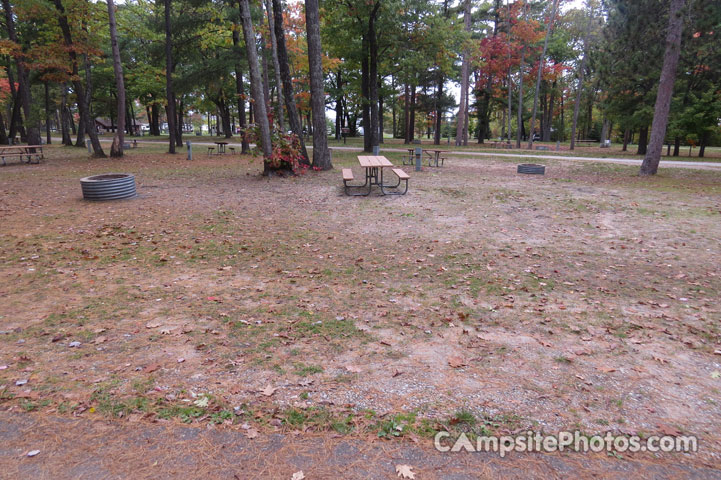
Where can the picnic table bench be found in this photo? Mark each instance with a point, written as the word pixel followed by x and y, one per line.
pixel 21 151
pixel 501 145
pixel 585 143
pixel 374 166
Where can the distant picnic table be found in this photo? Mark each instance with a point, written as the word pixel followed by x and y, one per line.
pixel 21 151
pixel 435 156
pixel 374 166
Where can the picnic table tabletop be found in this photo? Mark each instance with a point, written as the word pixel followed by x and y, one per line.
pixel 374 161
pixel 20 147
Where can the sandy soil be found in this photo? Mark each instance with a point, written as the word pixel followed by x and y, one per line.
pixel 586 299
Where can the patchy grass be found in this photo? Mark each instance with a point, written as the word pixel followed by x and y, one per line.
pixel 482 301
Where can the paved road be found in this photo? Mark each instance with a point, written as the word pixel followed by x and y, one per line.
pixel 622 161
pixel 80 448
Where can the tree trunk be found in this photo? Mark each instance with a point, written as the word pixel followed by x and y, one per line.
pixel 225 118
pixel 702 145
pixel 461 132
pixel 642 141
pixel 407 114
pixel 169 93
pixel 3 134
pixel 412 119
pixel 321 154
pixel 339 105
pixel 33 130
pixel 676 146
pixel 48 139
pixel 381 127
pixel 510 104
pixel 605 131
pixel 80 138
pixel 179 122
pixel 256 86
pixel 581 74
pixel 154 120
pixel 519 113
pixel 276 66
pixel 290 106
pixel 88 123
pixel 365 95
pixel 373 75
pixel 16 123
pixel 541 61
pixel 665 89
pixel 264 76
pixel 626 139
pixel 116 149
pixel 438 109
pixel 90 127
pixel 240 93
pixel 549 114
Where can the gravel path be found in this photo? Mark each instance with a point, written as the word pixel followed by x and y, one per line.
pixel 79 448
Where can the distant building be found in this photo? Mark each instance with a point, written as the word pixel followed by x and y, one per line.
pixel 104 125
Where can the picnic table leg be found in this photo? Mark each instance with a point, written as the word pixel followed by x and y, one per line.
pixel 382 184
pixel 367 183
pixel 394 192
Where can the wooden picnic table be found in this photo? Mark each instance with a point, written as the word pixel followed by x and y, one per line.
pixel 435 156
pixel 221 147
pixel 374 166
pixel 501 144
pixel 20 151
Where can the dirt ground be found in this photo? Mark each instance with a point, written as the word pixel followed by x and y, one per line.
pixel 483 301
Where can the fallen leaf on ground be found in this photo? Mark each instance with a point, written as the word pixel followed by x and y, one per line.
pixel 152 367
pixel 101 339
pixel 456 361
pixel 152 325
pixel 606 369
pixel 405 471
pixel 268 390
pixel 251 433
pixel 353 368
pixel 299 475
pixel 32 453
pixel 668 430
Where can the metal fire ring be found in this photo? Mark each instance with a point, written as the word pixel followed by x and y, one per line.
pixel 110 186
pixel 531 168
